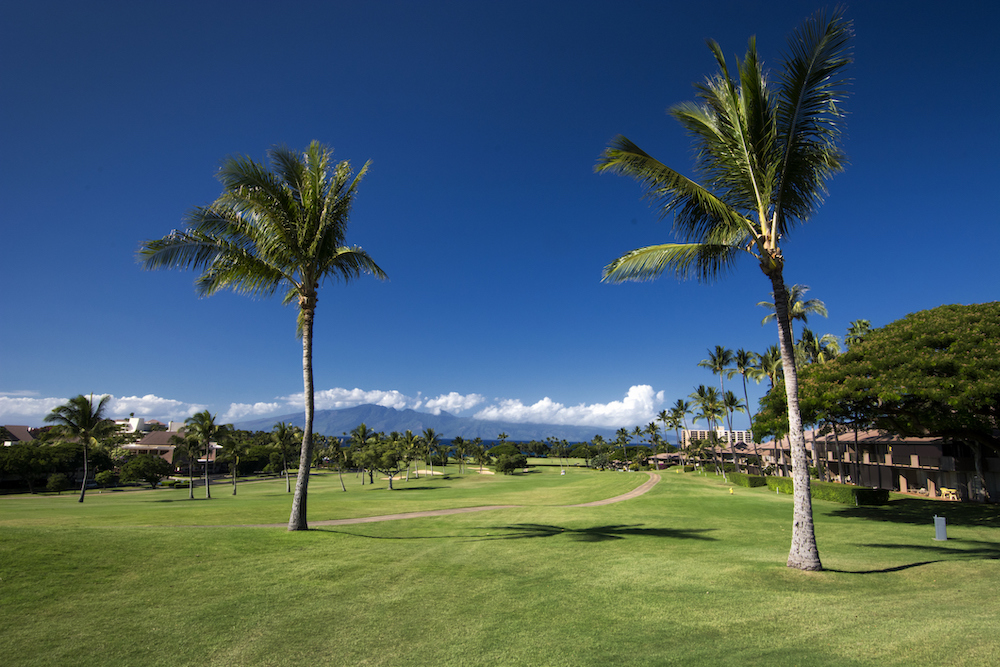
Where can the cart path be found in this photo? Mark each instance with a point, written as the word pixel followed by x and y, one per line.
pixel 634 493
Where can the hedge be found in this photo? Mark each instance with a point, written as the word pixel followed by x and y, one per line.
pixel 838 493
pixel 749 481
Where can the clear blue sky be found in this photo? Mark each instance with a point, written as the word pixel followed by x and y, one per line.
pixel 483 121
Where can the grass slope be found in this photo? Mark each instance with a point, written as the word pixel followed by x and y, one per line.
pixel 686 574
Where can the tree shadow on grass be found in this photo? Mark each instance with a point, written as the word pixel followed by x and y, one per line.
pixel 966 550
pixel 921 511
pixel 520 531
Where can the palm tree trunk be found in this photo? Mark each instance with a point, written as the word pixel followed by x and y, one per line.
pixel 208 488
pixel 190 478
pixel 803 554
pixel 83 487
pixel 297 520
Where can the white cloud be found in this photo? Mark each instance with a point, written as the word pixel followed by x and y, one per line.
pixel 242 411
pixel 32 411
pixel 453 402
pixel 639 406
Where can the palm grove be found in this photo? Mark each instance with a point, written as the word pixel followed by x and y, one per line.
pixel 765 150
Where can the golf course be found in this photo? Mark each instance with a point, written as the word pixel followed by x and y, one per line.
pixel 686 573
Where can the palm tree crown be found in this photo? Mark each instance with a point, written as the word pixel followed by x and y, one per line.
pixel 764 153
pixel 798 308
pixel 278 228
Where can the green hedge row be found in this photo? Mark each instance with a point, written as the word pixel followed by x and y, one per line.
pixel 749 481
pixel 838 493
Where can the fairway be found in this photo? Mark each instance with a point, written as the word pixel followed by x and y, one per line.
pixel 684 574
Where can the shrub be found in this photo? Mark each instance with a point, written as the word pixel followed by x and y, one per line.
pixel 688 468
pixel 838 493
pixel 749 481
pixel 506 448
pixel 508 464
pixel 58 482
pixel 147 468
pixel 106 478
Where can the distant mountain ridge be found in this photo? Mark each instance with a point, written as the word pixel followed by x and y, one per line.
pixel 447 425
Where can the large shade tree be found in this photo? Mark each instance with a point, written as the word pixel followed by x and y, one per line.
pixel 82 420
pixel 764 152
pixel 282 228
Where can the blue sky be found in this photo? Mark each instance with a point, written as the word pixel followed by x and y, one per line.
pixel 483 121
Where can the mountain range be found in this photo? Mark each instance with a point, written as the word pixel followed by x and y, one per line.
pixel 447 425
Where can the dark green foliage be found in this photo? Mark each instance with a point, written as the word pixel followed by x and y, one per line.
pixel 509 464
pixel 146 468
pixel 838 493
pixel 58 482
pixel 688 468
pixel 506 448
pixel 106 478
pixel 749 481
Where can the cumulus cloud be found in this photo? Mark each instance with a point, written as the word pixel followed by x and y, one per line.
pixel 452 402
pixel 242 411
pixel 32 411
pixel 639 406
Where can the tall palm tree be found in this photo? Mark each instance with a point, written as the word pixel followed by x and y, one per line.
pixel 203 431
pixel 747 366
pixel 80 419
pixel 185 448
pixel 719 361
pixel 765 151
pixel 270 230
pixel 798 308
pixel 282 435
pixel 710 410
pixel 817 350
pixel 431 442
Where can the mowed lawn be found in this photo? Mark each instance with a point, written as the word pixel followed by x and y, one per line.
pixel 687 574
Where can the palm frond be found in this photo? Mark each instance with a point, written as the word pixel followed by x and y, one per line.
pixel 701 261
pixel 809 114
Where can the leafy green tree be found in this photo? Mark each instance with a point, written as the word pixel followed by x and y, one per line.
pixel 932 373
pixel 361 437
pixel 508 464
pixel 57 483
pixel 146 468
pixel 83 421
pixel 765 151
pixel 282 228
pixel 481 453
pixel 106 478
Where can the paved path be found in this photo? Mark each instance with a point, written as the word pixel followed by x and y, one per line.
pixel 634 493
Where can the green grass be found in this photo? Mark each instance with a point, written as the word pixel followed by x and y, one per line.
pixel 687 574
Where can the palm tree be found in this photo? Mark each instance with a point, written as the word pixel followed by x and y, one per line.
pixel 361 438
pixel 270 230
pixel 711 410
pixel 282 435
pixel 798 309
pixel 431 442
pixel 857 331
pixel 765 151
pixel 747 366
pixel 410 444
pixel 771 365
pixel 186 448
pixel 719 362
pixel 732 404
pixel 203 431
pixel 817 350
pixel 80 419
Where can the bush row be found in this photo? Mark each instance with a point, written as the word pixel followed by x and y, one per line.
pixel 838 493
pixel 749 481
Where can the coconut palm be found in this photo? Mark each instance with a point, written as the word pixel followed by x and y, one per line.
pixel 817 350
pixel 269 230
pixel 770 364
pixel 765 151
pixel 283 434
pixel 857 331
pixel 719 361
pixel 798 308
pixel 203 432
pixel 747 366
pixel 431 442
pixel 82 420
pixel 186 449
